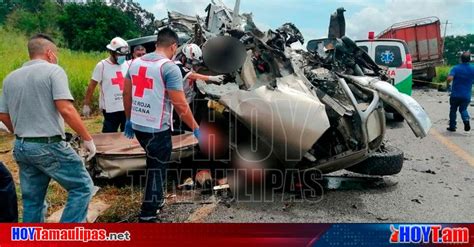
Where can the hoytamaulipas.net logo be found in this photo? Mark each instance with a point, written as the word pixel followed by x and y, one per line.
pixel 434 234
pixel 73 234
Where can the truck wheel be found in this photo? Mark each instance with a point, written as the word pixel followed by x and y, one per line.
pixel 388 160
pixel 430 74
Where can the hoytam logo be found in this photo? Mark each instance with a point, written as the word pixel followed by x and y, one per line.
pixel 435 234
pixel 73 234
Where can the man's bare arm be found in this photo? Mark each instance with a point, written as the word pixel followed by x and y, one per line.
pixel 215 78
pixel 5 118
pixel 178 99
pixel 197 76
pixel 72 118
pixel 90 92
pixel 127 97
pixel 450 79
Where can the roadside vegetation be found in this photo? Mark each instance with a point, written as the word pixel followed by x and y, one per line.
pixel 442 73
pixel 77 64
pixel 86 27
pixel 454 45
pixel 81 30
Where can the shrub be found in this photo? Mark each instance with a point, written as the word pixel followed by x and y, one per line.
pixel 442 73
pixel 43 20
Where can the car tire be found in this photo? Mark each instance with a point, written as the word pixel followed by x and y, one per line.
pixel 388 160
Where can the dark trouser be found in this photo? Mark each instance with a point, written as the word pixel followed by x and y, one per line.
pixel 112 121
pixel 158 148
pixel 461 104
pixel 9 206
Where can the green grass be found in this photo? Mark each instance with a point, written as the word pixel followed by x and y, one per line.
pixel 13 52
pixel 78 65
pixel 442 73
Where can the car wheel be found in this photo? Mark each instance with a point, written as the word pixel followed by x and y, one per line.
pixel 388 160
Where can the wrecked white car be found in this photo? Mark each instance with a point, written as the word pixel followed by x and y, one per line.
pixel 321 109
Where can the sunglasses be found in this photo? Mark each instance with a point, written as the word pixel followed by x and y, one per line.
pixel 124 50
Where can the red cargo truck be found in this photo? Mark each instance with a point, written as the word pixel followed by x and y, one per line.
pixel 423 37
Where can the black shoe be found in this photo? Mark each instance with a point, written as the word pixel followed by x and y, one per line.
pixel 467 126
pixel 148 220
pixel 451 129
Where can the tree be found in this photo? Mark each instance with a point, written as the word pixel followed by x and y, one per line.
pixel 33 5
pixel 6 7
pixel 91 26
pixel 453 45
pixel 142 18
pixel 35 18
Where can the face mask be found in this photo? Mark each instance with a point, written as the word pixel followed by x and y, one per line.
pixel 121 60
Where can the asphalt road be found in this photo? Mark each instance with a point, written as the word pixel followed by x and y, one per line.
pixel 435 185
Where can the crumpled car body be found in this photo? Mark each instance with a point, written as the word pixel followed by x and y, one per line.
pixel 320 109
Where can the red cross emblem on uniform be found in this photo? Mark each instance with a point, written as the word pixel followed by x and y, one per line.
pixel 118 80
pixel 141 82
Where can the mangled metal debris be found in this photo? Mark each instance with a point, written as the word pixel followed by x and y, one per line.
pixel 311 107
pixel 119 156
pixel 315 109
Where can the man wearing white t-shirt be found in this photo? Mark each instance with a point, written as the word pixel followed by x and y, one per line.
pixel 109 74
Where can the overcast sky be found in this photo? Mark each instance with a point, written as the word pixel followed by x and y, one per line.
pixel 312 16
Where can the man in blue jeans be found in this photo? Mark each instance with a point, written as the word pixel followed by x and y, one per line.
pixel 152 85
pixel 462 76
pixel 34 103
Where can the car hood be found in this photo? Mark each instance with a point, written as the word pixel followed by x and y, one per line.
pixel 288 120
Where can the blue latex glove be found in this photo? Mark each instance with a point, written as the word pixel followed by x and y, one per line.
pixel 128 132
pixel 197 133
